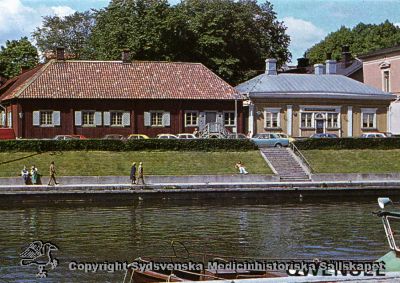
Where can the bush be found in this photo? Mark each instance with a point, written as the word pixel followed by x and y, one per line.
pixel 349 143
pixel 130 145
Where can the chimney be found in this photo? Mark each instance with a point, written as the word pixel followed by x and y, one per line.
pixel 24 69
pixel 346 56
pixel 302 62
pixel 330 67
pixel 126 56
pixel 60 53
pixel 270 67
pixel 319 69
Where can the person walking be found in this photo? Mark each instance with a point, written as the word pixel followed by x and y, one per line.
pixel 140 173
pixel 34 175
pixel 25 175
pixel 133 173
pixel 52 175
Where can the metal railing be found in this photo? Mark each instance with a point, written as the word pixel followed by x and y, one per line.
pixel 301 156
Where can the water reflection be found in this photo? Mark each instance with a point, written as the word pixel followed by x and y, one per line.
pixel 108 231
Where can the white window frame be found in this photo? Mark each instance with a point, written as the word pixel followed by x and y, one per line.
pixel 151 118
pixel 197 118
pixel 40 118
pixel 94 118
pixel 276 111
pixel 384 82
pixel 328 126
pixel 234 118
pixel 311 122
pixel 368 111
pixel 111 118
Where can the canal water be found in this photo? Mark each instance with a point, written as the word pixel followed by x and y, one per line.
pixel 124 230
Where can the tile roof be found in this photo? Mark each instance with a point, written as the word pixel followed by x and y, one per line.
pixel 302 85
pixel 117 80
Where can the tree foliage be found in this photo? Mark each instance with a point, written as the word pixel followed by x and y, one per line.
pixel 15 55
pixel 233 38
pixel 71 32
pixel 361 39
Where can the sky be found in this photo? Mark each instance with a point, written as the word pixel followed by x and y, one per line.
pixel 307 21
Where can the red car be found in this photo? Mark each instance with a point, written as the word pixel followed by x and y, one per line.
pixel 7 134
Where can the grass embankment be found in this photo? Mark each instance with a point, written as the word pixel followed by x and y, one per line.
pixel 354 161
pixel 111 163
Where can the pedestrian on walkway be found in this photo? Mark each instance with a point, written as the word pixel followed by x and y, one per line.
pixel 34 175
pixel 52 180
pixel 133 173
pixel 242 170
pixel 25 175
pixel 140 173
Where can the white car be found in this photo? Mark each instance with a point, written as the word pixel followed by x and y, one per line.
pixel 187 136
pixel 166 136
pixel 373 135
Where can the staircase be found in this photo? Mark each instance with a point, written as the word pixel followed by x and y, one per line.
pixel 213 130
pixel 285 164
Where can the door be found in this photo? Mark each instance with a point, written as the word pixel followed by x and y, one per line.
pixel 320 126
pixel 211 117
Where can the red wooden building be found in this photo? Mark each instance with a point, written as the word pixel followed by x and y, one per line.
pixel 95 98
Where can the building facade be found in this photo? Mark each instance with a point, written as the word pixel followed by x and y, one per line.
pixel 94 98
pixel 382 70
pixel 301 105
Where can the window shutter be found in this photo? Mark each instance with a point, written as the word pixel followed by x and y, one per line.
pixel 36 118
pixel 166 119
pixel 220 118
pixel 147 119
pixel 106 117
pixel 3 119
pixel 97 119
pixel 9 119
pixel 126 119
pixel 56 118
pixel 78 118
pixel 202 120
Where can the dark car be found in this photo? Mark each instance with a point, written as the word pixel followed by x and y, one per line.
pixel 324 135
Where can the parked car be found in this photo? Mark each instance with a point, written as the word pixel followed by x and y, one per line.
pixel 79 137
pixel 65 137
pixel 113 137
pixel 186 136
pixel 285 136
pixel 373 135
pixel 236 136
pixel 324 135
pixel 137 137
pixel 166 136
pixel 269 140
pixel 7 134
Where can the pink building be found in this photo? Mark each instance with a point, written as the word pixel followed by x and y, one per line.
pixel 381 69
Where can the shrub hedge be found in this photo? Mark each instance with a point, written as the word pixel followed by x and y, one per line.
pixel 349 143
pixel 130 145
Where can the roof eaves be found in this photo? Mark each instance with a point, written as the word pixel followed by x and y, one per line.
pixel 322 95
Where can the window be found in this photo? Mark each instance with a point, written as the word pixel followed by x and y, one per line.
pixel 332 120
pixel 156 119
pixel 191 119
pixel 306 120
pixel 386 81
pixel 46 118
pixel 368 120
pixel 229 119
pixel 88 118
pixel 116 119
pixel 272 119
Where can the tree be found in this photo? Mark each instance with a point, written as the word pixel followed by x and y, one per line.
pixel 361 39
pixel 71 32
pixel 15 55
pixel 233 38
